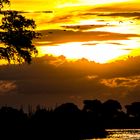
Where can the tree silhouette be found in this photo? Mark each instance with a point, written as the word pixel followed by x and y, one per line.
pixel 16 35
pixel 111 108
pixel 133 109
pixel 67 108
pixel 67 121
pixel 94 106
pixel 2 2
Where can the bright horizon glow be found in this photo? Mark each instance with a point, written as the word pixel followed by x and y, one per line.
pixel 101 53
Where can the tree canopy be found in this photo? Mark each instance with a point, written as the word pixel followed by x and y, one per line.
pixel 16 35
pixel 2 2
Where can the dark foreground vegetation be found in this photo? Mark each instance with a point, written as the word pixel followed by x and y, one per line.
pixel 67 121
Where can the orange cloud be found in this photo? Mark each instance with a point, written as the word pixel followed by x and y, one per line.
pixel 7 87
pixel 128 82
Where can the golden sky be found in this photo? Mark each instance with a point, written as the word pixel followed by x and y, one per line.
pixel 116 20
pixel 89 49
pixel 48 4
pixel 105 30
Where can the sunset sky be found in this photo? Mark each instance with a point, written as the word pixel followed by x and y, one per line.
pixel 89 49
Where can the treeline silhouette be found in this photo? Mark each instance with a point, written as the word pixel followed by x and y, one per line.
pixel 67 121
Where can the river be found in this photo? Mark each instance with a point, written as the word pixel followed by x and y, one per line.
pixel 122 134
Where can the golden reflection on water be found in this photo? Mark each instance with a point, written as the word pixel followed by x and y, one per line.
pixel 122 134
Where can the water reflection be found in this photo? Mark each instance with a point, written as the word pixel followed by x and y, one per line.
pixel 122 134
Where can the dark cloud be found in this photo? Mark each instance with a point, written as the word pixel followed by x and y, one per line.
pixel 128 49
pixel 42 78
pixel 83 27
pixel 29 12
pixel 90 44
pixel 61 19
pixel 46 82
pixel 103 13
pixel 88 13
pixel 101 20
pixel 43 12
pixel 121 14
pixel 56 67
pixel 55 37
pixel 136 18
pixel 26 12
pixel 114 43
pixel 115 7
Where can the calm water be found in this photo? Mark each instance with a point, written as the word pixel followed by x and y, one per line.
pixel 122 134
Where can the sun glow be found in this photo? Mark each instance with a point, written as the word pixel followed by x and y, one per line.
pixel 101 1
pixel 101 53
pixel 87 2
